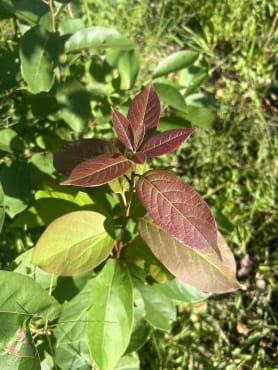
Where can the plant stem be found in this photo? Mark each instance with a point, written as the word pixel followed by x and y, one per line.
pixel 53 17
pixel 127 204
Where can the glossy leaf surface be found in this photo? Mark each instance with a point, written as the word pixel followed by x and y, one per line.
pixel 97 37
pixel 178 209
pixel 165 142
pixel 74 243
pixel 143 114
pixel 38 53
pixel 110 314
pixel 175 61
pixel 122 127
pixel 79 151
pixel 98 170
pixel 203 270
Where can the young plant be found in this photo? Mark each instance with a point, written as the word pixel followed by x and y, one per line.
pixel 173 235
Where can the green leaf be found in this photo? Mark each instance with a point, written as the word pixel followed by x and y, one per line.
pixel 43 162
pixel 72 195
pixel 128 65
pixel 175 61
pixel 180 292
pixel 160 310
pixel 74 105
pixel 72 345
pixel 2 207
pixel 10 142
pixel 70 25
pixel 38 53
pixel 74 243
pixel 199 110
pixel 16 182
pixel 110 314
pixel 21 295
pixel 129 362
pixel 29 11
pixel 97 37
pixel 169 122
pixel 18 350
pixel 193 76
pixel 28 219
pixel 170 96
pixel 24 266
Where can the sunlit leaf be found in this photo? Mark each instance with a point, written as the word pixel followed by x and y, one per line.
pixel 165 142
pixel 18 308
pixel 110 314
pixel 38 53
pixel 18 350
pixel 17 293
pixel 160 310
pixel 178 209
pixel 203 270
pixel 180 292
pixel 129 361
pixel 75 152
pixel 97 37
pixel 170 95
pixel 98 170
pixel 122 127
pixel 128 66
pixel 74 243
pixel 70 332
pixel 175 61
pixel 143 114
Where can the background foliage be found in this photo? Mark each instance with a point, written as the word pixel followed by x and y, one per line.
pixel 232 159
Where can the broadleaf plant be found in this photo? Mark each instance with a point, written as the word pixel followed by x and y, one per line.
pixel 147 223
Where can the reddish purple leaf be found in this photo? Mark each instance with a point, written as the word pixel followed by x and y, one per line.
pixel 204 270
pixel 178 209
pixel 139 158
pixel 99 170
pixel 123 129
pixel 143 114
pixel 165 142
pixel 66 158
